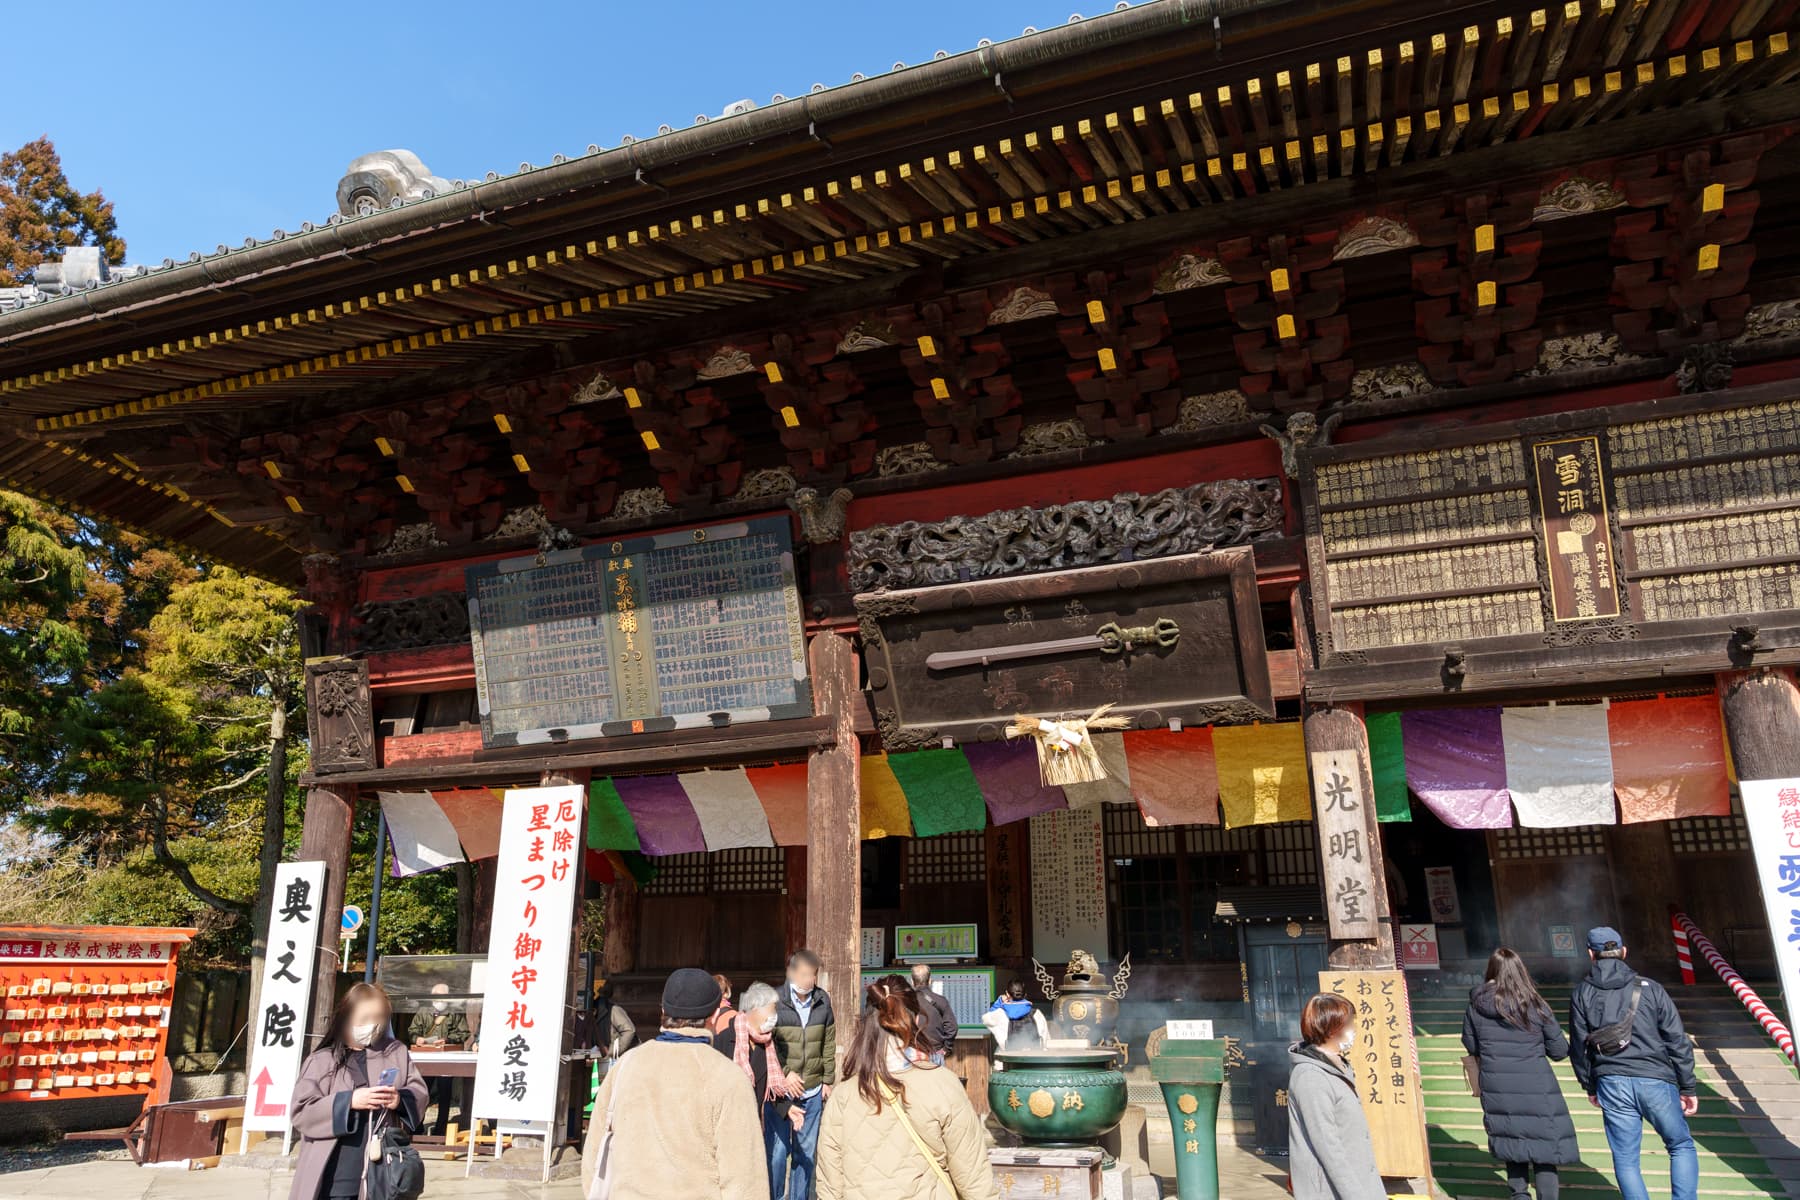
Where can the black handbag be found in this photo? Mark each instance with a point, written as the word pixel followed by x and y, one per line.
pixel 1612 1039
pixel 395 1171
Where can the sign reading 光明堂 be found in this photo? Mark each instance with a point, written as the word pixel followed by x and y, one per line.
pixel 1344 835
pixel 1772 811
pixel 278 1027
pixel 520 1050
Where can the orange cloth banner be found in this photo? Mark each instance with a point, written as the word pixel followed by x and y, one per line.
pixel 1173 776
pixel 781 790
pixel 475 815
pixel 1669 758
pixel 1262 774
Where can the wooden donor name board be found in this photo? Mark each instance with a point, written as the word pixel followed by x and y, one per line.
pixel 1385 1058
pixel 672 631
pixel 1638 541
pixel 1165 638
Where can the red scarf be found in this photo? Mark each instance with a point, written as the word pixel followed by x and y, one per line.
pixel 741 1053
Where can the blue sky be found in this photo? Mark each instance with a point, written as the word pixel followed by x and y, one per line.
pixel 208 122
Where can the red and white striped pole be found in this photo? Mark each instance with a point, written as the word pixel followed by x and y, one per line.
pixel 1748 998
pixel 1683 956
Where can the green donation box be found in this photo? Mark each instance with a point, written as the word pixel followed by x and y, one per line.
pixel 1192 1074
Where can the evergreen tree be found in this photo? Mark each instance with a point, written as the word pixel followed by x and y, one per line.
pixel 42 214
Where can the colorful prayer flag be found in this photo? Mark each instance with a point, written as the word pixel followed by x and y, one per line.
pixel 731 817
pixel 1387 767
pixel 475 812
pixel 1173 776
pixel 781 789
pixel 1668 758
pixel 883 802
pixel 660 811
pixel 421 835
pixel 1010 783
pixel 1262 774
pixel 1116 787
pixel 1559 765
pixel 609 826
pixel 941 793
pixel 1456 765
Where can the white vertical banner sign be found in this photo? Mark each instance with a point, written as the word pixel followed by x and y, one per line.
pixel 1343 820
pixel 527 984
pixel 1068 907
pixel 1772 811
pixel 278 1027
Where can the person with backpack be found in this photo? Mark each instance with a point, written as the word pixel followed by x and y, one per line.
pixel 900 1127
pixel 1636 1064
pixel 1513 1036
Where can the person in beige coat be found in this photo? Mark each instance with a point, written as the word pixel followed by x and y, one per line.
pixel 865 1151
pixel 685 1124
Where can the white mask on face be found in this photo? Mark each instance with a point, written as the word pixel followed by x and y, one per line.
pixel 768 1026
pixel 440 1006
pixel 364 1033
pixel 1349 1041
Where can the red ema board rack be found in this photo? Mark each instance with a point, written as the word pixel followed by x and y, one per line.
pixel 86 1011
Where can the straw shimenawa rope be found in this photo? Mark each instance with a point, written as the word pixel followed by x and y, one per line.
pixel 1065 746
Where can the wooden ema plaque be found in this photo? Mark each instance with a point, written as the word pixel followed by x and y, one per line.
pixel 642 635
pixel 1386 1061
pixel 1167 638
pixel 1617 543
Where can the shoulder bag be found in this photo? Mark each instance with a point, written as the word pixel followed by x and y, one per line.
pixel 606 1169
pixel 931 1161
pixel 395 1171
pixel 1612 1039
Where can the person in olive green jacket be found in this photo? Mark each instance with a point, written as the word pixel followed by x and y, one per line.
pixel 807 1029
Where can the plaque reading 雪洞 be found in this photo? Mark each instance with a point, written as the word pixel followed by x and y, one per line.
pixel 1577 538
pixel 671 631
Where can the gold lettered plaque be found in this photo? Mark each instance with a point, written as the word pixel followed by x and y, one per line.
pixel 1577 538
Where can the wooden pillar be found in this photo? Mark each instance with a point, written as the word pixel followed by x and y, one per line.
pixel 1762 722
pixel 793 900
pixel 1336 738
pixel 834 824
pixel 620 953
pixel 325 837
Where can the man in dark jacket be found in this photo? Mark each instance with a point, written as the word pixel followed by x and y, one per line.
pixel 807 1031
pixel 1650 1078
pixel 939 1034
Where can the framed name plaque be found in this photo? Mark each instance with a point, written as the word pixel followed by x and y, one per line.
pixel 1161 639
pixel 1639 540
pixel 671 631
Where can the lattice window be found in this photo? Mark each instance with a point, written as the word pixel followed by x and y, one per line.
pixel 1709 835
pixel 1290 853
pixel 678 875
pixel 1128 837
pixel 752 869
pixel 946 858
pixel 1573 842
pixel 1216 839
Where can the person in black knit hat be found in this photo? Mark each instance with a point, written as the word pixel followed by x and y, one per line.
pixel 682 1119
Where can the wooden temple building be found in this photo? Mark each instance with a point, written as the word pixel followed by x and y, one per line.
pixel 1424 370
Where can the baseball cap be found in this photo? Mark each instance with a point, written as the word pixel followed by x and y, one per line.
pixel 1600 935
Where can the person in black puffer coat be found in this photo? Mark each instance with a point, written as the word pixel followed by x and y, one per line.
pixel 1513 1033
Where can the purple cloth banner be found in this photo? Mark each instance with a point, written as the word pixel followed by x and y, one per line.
pixel 1008 775
pixel 664 817
pixel 1456 764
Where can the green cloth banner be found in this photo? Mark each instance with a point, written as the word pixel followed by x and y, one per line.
pixel 609 823
pixel 941 791
pixel 1387 764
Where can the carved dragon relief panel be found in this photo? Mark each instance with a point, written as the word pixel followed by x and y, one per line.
pixel 1205 516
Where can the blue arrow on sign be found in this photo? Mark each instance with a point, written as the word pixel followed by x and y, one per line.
pixel 352 919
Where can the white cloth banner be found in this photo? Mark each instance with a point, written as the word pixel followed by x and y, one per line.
pixel 1559 765
pixel 730 814
pixel 1116 787
pixel 421 835
pixel 527 983
pixel 278 1026
pixel 1772 811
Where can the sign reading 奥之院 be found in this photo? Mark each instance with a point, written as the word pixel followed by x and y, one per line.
pixel 1772 811
pixel 278 1026
pixel 520 1050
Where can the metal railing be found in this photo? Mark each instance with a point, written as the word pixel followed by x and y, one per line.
pixel 1687 932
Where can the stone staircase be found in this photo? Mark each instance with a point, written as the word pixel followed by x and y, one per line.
pixel 1747 1131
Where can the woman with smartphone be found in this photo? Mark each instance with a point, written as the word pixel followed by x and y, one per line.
pixel 360 1072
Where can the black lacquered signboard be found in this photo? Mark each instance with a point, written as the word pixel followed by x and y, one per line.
pixel 669 631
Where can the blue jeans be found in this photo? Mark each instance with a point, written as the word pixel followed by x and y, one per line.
pixel 793 1151
pixel 1625 1104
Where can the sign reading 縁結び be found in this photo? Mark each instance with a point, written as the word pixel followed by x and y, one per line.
pixel 278 1026
pixel 1772 811
pixel 519 1057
